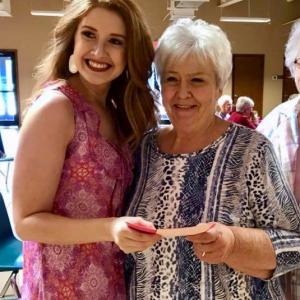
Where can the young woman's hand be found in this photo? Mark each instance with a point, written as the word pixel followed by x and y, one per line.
pixel 130 240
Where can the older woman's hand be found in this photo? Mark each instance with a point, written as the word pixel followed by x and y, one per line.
pixel 215 245
pixel 130 240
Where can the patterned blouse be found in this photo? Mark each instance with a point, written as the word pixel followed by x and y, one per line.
pixel 280 126
pixel 235 181
pixel 93 180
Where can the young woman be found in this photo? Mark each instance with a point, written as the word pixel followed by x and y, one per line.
pixel 91 107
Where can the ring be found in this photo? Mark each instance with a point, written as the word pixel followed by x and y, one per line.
pixel 203 254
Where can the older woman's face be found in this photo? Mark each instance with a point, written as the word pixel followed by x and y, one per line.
pixel 226 107
pixel 189 92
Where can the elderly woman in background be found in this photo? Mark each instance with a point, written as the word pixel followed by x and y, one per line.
pixel 243 112
pixel 281 126
pixel 224 107
pixel 202 169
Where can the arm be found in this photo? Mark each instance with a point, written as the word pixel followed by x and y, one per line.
pixel 247 122
pixel 252 253
pixel 272 247
pixel 45 135
pixel 247 250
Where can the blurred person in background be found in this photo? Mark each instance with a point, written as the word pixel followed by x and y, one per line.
pixel 282 127
pixel 224 107
pixel 243 111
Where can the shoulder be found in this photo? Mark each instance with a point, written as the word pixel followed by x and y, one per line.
pixel 52 103
pixel 253 138
pixel 285 108
pixel 284 112
pixel 52 111
pixel 235 116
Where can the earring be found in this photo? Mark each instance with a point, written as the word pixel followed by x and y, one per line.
pixel 114 103
pixel 72 67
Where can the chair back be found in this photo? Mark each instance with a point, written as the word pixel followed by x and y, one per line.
pixel 11 258
pixel 5 227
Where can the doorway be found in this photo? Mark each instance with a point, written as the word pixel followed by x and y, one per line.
pixel 248 78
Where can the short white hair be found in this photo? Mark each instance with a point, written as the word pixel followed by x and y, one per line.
pixel 223 99
pixel 243 102
pixel 205 41
pixel 292 47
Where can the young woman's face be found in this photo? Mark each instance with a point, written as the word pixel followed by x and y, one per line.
pixel 100 46
pixel 189 92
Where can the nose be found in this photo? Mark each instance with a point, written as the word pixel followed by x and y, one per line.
pixel 184 90
pixel 99 48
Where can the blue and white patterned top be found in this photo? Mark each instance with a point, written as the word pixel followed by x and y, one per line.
pixel 235 181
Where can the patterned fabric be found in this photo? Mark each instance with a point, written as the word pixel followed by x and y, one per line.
pixel 280 126
pixel 94 177
pixel 235 181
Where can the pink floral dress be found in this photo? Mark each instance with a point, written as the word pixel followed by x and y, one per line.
pixel 93 181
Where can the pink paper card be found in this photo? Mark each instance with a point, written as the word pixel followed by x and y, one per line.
pixel 184 231
pixel 172 232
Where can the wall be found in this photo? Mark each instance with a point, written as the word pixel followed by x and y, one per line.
pixel 267 39
pixel 29 34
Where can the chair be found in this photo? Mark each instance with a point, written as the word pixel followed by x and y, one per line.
pixel 11 259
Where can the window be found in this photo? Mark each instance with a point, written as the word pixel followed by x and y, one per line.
pixel 155 87
pixel 9 102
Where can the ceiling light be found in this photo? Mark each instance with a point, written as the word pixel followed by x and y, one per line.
pixel 47 13
pixel 228 3
pixel 189 3
pixel 5 8
pixel 245 19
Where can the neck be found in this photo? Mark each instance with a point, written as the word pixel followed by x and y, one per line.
pixel 179 141
pixel 95 95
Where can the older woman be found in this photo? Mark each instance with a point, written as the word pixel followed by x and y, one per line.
pixel 281 126
pixel 224 106
pixel 243 112
pixel 202 169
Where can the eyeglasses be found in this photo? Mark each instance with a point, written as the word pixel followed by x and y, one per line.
pixel 297 62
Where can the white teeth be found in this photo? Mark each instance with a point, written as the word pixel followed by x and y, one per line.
pixel 97 65
pixel 184 106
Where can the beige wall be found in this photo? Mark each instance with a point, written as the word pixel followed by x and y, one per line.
pixel 29 34
pixel 267 39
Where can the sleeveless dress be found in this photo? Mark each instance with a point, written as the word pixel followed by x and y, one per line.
pixel 92 184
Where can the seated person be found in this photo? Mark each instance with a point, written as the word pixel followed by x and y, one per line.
pixel 2 153
pixel 255 117
pixel 224 106
pixel 243 111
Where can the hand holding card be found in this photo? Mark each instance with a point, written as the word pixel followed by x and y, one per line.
pixel 141 228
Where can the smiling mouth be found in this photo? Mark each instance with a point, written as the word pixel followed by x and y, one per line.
pixel 97 67
pixel 185 106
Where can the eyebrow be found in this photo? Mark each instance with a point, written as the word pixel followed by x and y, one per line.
pixel 95 30
pixel 191 74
